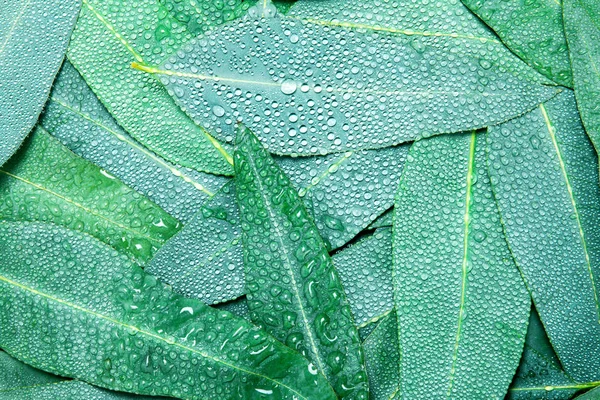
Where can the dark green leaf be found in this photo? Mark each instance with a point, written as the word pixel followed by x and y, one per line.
pixel 462 306
pixel 33 40
pixel 292 287
pixel 73 306
pixel 15 375
pixel 46 182
pixel 591 395
pixel 545 177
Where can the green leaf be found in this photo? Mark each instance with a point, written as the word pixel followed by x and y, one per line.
pixel 382 358
pixel 462 306
pixel 385 81
pixel 533 30
pixel 99 318
pixel 79 121
pixel 365 270
pixel 582 28
pixel 385 219
pixel 292 287
pixel 540 375
pixel 33 41
pixel 108 37
pixel 46 182
pixel 545 177
pixel 238 307
pixel 15 375
pixel 591 395
pixel 343 192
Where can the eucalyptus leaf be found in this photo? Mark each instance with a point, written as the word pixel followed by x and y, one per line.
pixel 15 375
pixel 33 40
pixel 143 337
pixel 385 219
pixel 591 395
pixel 292 287
pixel 461 304
pixel 545 177
pixel 533 30
pixel 70 390
pixel 582 28
pixel 238 307
pixel 79 121
pixel 46 182
pixel 383 82
pixel 108 37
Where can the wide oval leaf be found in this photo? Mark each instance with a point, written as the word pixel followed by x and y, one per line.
pixel 461 304
pixel 33 41
pixel 65 296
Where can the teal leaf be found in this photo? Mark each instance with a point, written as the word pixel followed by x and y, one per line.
pixel 238 307
pixel 545 177
pixel 533 30
pixel 461 304
pixel 292 287
pixel 591 395
pixel 33 39
pixel 80 122
pixel 47 182
pixel 144 338
pixel 582 28
pixel 14 375
pixel 386 81
pixel 105 42
pixel 385 219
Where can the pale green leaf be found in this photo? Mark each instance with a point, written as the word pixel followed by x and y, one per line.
pixel 461 304
pixel 33 39
pixel 385 219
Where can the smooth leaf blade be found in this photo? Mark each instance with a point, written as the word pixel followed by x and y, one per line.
pixel 545 177
pixel 46 182
pixel 15 375
pixel 461 304
pixel 145 339
pixel 70 390
pixel 533 30
pixel 108 37
pixel 292 287
pixel 33 39
pixel 352 100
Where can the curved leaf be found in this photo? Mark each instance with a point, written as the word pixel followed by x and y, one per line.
pixel 108 37
pixel 582 28
pixel 341 81
pixel 33 40
pixel 533 30
pixel 545 177
pixel 462 306
pixel 46 182
pixel 14 375
pixel 292 287
pixel 70 390
pixel 591 395
pixel 144 338
pixel 78 120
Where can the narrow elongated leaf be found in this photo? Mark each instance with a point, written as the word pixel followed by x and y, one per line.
pixel 591 395
pixel 15 375
pixel 143 337
pixel 33 39
pixel 382 358
pixel 112 34
pixel 582 28
pixel 292 287
pixel 79 121
pixel 545 177
pixel 462 306
pixel 46 182
pixel 340 80
pixel 71 390
pixel 531 29
pixel 540 375
pixel 343 192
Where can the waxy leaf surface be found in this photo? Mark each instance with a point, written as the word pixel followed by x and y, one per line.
pixel 144 338
pixel 47 182
pixel 15 375
pixel 79 121
pixel 33 40
pixel 545 177
pixel 461 304
pixel 533 30
pixel 341 80
pixel 293 290
pixel 108 37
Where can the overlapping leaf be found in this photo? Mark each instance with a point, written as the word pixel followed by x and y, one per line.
pixel 46 182
pixel 461 305
pixel 545 176
pixel 15 375
pixel 33 39
pixel 143 337
pixel 70 390
pixel 292 287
